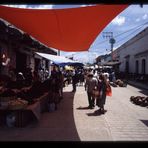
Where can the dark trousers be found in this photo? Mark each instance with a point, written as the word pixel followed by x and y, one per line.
pixel 74 86
pixel 91 99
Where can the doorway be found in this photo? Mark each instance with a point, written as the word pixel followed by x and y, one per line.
pixel 21 61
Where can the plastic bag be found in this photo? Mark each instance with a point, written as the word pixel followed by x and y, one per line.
pixel 109 91
pixel 10 120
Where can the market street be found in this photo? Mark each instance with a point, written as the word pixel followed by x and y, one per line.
pixel 73 122
pixel 122 121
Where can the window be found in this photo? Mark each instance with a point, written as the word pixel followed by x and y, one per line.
pixel 127 67
pixel 137 67
pixel 47 67
pixel 143 66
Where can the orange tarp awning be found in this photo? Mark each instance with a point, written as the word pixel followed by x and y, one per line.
pixel 71 29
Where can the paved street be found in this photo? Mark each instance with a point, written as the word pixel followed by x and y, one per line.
pixel 123 120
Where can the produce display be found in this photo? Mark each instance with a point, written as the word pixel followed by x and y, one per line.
pixel 113 84
pixel 139 100
pixel 16 96
pixel 34 92
pixel 7 93
pixel 17 104
pixel 16 84
pixel 9 96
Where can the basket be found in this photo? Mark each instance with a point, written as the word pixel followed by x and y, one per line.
pixel 17 107
pixel 17 104
pixel 7 99
pixel 4 101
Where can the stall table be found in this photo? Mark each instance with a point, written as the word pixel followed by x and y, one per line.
pixel 26 115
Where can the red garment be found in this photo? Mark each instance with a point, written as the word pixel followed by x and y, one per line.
pixel 109 91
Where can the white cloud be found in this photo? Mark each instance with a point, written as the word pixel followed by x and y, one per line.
pixel 136 10
pixel 32 6
pixel 43 7
pixel 83 58
pixel 119 20
pixel 83 5
pixel 17 6
pixel 138 19
pixel 63 53
pixel 86 5
pixel 144 17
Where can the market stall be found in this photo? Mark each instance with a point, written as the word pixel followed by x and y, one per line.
pixel 22 111
pixel 23 104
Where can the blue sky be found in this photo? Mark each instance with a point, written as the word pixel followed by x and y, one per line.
pixel 125 26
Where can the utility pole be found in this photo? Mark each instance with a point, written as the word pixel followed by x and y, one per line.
pixel 111 41
pixel 58 52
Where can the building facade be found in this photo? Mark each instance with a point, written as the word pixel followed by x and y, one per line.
pixel 17 50
pixel 133 54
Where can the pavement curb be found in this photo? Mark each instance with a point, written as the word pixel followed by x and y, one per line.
pixel 138 85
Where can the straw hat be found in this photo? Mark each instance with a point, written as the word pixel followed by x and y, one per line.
pixel 90 74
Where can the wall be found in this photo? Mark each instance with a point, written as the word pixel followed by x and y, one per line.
pixel 134 46
pixel 6 48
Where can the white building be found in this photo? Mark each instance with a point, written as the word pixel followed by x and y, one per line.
pixel 133 54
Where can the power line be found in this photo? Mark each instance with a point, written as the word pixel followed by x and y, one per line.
pixel 121 34
pixel 131 29
pixel 129 35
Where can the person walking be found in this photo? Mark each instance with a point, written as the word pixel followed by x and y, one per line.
pixel 74 80
pixel 102 93
pixel 91 83
pixel 54 91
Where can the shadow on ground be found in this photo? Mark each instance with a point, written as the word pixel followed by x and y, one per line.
pixel 96 113
pixel 145 122
pixel 141 89
pixel 145 92
pixel 83 108
pixel 53 126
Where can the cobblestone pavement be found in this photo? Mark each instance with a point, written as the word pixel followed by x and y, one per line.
pixel 123 120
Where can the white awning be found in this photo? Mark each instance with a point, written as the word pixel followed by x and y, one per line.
pixel 59 60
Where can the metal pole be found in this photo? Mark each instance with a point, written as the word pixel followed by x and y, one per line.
pixel 112 41
pixel 112 51
pixel 110 36
pixel 58 52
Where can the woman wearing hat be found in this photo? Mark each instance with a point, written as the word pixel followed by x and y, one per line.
pixel 102 91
